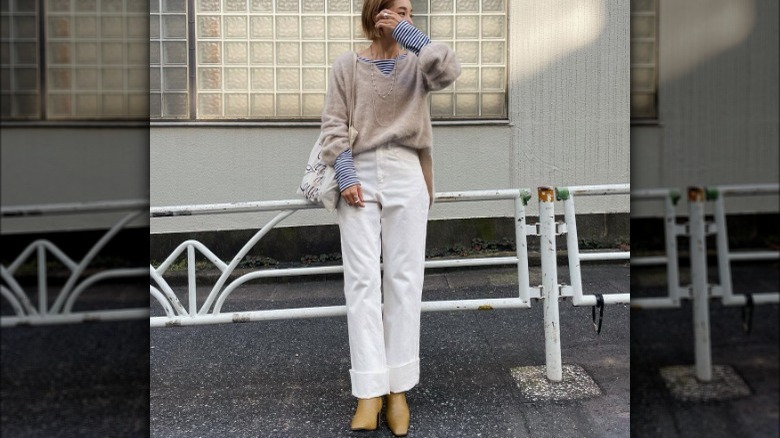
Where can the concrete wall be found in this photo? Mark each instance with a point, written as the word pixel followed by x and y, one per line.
pixel 718 102
pixel 49 164
pixel 568 125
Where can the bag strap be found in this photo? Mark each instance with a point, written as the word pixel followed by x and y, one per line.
pixel 354 87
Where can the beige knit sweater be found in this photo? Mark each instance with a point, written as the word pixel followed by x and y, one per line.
pixel 402 117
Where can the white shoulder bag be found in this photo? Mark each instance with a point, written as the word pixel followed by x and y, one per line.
pixel 319 183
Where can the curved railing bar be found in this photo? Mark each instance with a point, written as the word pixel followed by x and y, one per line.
pixel 23 299
pixel 19 300
pixel 61 256
pixel 508 194
pixel 575 259
pixel 269 273
pixel 6 293
pixel 161 299
pixel 24 255
pixel 322 270
pixel 240 255
pixel 180 249
pixel 89 281
pixel 88 258
pixel 166 289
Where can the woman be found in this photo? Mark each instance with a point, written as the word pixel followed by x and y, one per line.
pixel 386 190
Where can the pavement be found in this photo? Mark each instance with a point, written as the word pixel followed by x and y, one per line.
pixel 664 338
pixel 78 380
pixel 290 378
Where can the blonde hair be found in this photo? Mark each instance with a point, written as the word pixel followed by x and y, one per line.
pixel 370 9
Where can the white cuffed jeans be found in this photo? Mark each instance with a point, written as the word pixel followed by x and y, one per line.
pixel 384 341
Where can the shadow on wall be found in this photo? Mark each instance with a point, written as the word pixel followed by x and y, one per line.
pixel 569 97
pixel 717 99
pixel 557 33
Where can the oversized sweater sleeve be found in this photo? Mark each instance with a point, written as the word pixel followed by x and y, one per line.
pixel 439 66
pixel 335 113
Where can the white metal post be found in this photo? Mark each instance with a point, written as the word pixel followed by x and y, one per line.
pixel 521 246
pixel 552 328
pixel 573 249
pixel 191 280
pixel 42 285
pixel 722 242
pixel 670 236
pixel 701 311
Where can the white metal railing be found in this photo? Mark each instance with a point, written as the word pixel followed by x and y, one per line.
pixel 61 310
pixel 567 195
pixel 699 291
pixel 210 311
pixel 177 315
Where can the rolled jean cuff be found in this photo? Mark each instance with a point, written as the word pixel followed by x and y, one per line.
pixel 404 377
pixel 370 384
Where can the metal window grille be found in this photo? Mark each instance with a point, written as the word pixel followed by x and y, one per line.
pixel 644 59
pixel 270 59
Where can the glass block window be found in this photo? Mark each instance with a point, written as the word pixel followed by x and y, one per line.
pixel 97 59
pixel 270 59
pixel 644 59
pixel 94 58
pixel 477 31
pixel 168 60
pixel 20 86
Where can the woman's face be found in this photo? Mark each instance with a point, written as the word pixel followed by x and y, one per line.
pixel 404 9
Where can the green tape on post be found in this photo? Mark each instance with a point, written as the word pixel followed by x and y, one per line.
pixel 711 193
pixel 525 196
pixel 675 195
pixel 561 193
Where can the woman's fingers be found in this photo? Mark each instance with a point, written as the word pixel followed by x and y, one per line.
pixel 353 196
pixel 387 19
pixel 360 197
pixel 384 14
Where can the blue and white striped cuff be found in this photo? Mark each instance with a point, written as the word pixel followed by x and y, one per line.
pixel 410 37
pixel 346 176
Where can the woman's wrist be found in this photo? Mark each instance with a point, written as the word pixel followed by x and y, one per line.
pixel 346 175
pixel 410 37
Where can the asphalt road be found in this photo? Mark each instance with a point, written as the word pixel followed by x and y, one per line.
pixel 79 380
pixel 662 338
pixel 290 378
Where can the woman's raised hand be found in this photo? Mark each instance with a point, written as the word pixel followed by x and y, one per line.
pixel 387 19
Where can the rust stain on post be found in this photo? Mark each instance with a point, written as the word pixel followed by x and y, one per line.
pixel 546 194
pixel 696 194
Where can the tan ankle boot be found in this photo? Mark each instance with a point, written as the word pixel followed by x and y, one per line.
pixel 367 414
pixel 397 414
